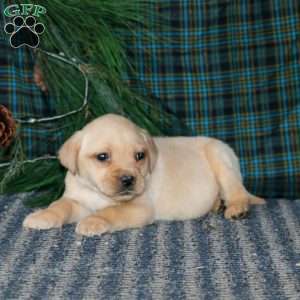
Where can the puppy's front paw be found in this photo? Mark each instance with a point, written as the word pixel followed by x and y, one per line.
pixel 42 219
pixel 92 226
pixel 236 211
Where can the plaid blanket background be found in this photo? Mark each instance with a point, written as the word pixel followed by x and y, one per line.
pixel 20 94
pixel 232 71
pixel 227 68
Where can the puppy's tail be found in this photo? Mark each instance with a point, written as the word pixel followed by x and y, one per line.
pixel 256 200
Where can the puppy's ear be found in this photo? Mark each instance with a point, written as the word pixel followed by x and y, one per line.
pixel 151 148
pixel 68 152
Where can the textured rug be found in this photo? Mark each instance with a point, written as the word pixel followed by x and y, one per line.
pixel 207 258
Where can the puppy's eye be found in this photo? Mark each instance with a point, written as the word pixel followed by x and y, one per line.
pixel 103 156
pixel 140 156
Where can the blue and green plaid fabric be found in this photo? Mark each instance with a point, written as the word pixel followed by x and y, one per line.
pixel 230 69
pixel 226 68
pixel 19 93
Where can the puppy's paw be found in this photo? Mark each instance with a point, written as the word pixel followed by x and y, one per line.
pixel 42 219
pixel 236 211
pixel 92 226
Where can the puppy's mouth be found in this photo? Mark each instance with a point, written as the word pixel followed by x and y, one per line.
pixel 125 195
pixel 126 192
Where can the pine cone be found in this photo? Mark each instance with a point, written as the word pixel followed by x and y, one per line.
pixel 7 127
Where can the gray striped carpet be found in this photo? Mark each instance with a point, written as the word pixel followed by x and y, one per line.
pixel 208 258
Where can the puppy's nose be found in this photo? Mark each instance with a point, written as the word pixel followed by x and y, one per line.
pixel 127 181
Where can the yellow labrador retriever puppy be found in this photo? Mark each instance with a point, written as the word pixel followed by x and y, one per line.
pixel 119 177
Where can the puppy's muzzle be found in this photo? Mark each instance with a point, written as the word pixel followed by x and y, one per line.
pixel 127 182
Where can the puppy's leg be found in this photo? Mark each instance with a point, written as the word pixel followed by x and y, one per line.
pixel 219 206
pixel 226 168
pixel 58 213
pixel 119 217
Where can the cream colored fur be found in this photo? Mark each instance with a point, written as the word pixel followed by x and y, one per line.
pixel 179 178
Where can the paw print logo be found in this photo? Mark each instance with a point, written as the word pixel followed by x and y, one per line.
pixel 24 32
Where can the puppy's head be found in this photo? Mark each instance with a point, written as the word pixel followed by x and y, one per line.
pixel 113 154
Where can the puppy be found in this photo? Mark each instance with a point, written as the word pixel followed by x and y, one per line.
pixel 119 177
